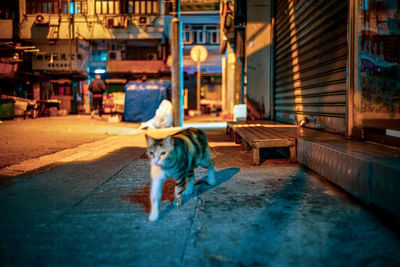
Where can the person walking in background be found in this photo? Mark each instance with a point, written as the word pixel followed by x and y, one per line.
pixel 97 87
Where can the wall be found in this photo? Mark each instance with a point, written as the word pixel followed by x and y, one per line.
pixel 6 29
pixel 258 49
pixel 90 26
pixel 230 78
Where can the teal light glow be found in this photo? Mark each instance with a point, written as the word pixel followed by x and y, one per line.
pixel 99 71
pixel 72 8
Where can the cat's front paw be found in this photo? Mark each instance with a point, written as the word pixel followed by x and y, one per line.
pixel 153 217
pixel 211 176
pixel 211 180
pixel 187 192
pixel 177 202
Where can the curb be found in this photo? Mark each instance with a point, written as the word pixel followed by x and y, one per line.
pixel 370 179
pixel 85 152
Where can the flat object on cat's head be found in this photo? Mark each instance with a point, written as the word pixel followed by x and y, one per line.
pixel 162 133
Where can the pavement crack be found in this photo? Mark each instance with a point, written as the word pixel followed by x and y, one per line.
pixel 193 220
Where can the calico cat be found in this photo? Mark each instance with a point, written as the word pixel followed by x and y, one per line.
pixel 162 118
pixel 176 157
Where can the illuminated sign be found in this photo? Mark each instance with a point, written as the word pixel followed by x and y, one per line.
pixel 99 71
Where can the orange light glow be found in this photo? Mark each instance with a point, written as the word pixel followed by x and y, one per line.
pixel 295 53
pixel 298 100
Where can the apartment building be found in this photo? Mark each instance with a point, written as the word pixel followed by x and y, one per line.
pixel 120 39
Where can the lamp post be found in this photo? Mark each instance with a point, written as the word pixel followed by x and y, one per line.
pixel 198 54
pixel 177 63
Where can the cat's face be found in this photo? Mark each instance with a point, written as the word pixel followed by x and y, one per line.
pixel 158 149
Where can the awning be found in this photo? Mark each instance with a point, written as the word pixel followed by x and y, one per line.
pixel 115 81
pixel 64 75
pixel 135 66
pixel 18 76
pixel 60 81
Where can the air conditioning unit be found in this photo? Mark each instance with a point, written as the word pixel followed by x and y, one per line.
pixel 151 56
pixel 116 22
pixel 114 55
pixel 42 19
pixel 143 21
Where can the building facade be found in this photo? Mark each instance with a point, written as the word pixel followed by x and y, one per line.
pixel 332 65
pixel 120 39
pixel 13 72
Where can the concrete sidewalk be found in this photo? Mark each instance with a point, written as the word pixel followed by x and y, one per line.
pixel 94 212
pixel 368 171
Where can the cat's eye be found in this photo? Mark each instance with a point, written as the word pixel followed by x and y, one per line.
pixel 151 153
pixel 163 153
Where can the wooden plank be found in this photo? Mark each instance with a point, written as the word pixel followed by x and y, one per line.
pixel 256 156
pixel 265 134
pixel 274 142
pixel 262 133
pixel 292 151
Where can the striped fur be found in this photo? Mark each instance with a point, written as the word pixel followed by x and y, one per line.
pixel 176 157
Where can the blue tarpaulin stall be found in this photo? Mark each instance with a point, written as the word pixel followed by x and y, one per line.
pixel 143 98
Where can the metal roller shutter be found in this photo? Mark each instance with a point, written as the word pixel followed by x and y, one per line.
pixel 310 62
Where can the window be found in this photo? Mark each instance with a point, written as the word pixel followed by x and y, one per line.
pixel 200 34
pixel 107 6
pixel 187 36
pixel 56 6
pixel 78 7
pixel 99 55
pixel 42 6
pixel 64 7
pixel 213 37
pixel 200 38
pixel 140 7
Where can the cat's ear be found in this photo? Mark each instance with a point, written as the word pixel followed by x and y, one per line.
pixel 169 141
pixel 150 141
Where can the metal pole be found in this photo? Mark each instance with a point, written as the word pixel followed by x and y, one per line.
pixel 198 83
pixel 177 74
pixel 351 68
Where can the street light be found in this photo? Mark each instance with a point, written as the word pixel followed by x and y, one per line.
pixel 198 54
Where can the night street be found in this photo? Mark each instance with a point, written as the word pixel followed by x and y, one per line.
pixel 94 212
pixel 287 113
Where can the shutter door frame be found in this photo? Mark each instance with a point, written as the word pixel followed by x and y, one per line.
pixel 310 63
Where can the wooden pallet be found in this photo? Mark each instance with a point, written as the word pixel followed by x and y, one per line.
pixel 264 135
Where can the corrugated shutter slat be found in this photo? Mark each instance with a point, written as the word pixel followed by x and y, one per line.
pixel 310 62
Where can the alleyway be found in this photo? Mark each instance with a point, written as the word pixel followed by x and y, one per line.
pixel 93 211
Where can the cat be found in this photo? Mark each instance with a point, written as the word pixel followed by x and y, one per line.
pixel 176 157
pixel 162 118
